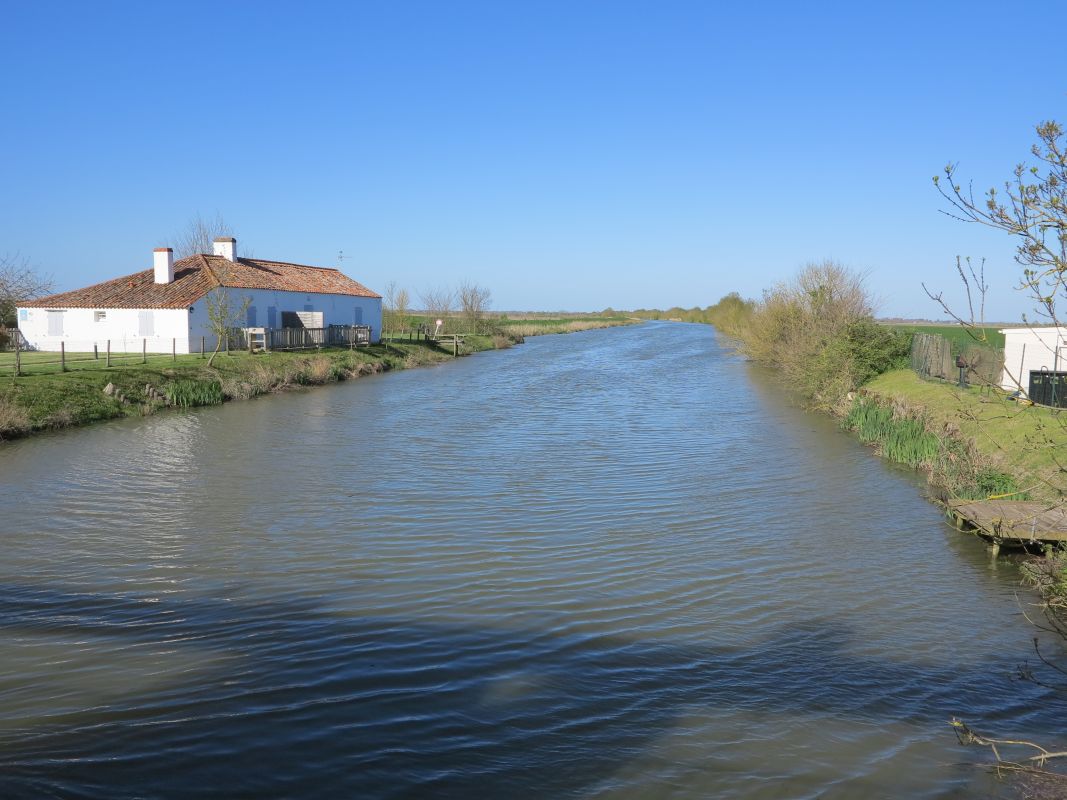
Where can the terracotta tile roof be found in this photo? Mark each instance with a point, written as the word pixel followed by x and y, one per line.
pixel 196 275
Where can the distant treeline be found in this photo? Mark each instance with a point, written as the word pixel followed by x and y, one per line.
pixel 694 314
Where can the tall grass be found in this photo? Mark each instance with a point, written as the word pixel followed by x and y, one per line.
pixel 14 421
pixel 904 440
pixel 190 392
pixel 905 437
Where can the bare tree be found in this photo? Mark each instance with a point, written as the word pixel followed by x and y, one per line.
pixel 1034 211
pixel 224 312
pixel 473 303
pixel 199 235
pixel 401 301
pixel 388 306
pixel 19 281
pixel 439 303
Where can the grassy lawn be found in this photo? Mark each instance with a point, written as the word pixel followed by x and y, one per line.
pixel 1022 440
pixel 37 363
pixel 961 337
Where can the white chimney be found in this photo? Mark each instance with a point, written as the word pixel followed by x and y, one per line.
pixel 226 246
pixel 163 264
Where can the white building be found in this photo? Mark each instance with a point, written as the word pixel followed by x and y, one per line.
pixel 166 307
pixel 1032 350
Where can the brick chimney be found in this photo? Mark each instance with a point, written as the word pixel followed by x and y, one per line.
pixel 163 264
pixel 226 246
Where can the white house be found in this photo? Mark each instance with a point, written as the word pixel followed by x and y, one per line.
pixel 1032 351
pixel 166 307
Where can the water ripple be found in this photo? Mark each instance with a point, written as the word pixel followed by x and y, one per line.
pixel 614 564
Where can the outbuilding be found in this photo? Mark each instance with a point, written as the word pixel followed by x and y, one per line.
pixel 1035 363
pixel 165 308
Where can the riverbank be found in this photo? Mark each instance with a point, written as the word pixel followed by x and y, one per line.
pixel 979 430
pixel 49 401
pixel 1018 450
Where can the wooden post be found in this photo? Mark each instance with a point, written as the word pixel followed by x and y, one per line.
pixel 96 353
pixel 249 342
pixel 62 356
pixel 455 346
pixel 174 348
pixel 18 355
pixel 203 341
pixel 109 352
pixel 144 351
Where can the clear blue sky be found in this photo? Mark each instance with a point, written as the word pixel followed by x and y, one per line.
pixel 568 155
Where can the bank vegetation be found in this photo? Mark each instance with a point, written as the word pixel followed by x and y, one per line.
pixel 51 400
pixel 818 334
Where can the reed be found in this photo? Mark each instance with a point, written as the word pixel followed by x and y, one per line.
pixel 902 439
pixel 905 437
pixel 190 392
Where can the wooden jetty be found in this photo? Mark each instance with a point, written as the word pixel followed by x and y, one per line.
pixel 1013 522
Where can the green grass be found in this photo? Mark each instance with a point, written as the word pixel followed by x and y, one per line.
pixel 36 363
pixel 961 337
pixel 904 440
pixel 1026 442
pixel 190 392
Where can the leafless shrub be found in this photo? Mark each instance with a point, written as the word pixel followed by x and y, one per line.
pixel 439 303
pixel 473 303
pixel 395 307
pixel 199 235
pixel 319 369
pixel 238 389
pixel 19 281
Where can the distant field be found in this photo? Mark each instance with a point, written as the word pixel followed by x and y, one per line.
pixel 960 337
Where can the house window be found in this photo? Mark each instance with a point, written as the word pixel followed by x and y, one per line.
pixel 250 317
pixel 55 323
pixel 99 316
pixel 358 318
pixel 146 324
pixel 272 316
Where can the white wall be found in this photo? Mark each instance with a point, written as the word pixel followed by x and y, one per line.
pixel 337 309
pixel 1029 350
pixel 182 328
pixel 122 326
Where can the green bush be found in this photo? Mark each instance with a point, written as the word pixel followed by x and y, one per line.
pixel 817 331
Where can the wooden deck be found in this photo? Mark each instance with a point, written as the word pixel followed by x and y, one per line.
pixel 1016 522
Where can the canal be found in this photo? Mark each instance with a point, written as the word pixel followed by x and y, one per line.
pixel 616 564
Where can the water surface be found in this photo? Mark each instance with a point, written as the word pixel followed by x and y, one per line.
pixel 614 564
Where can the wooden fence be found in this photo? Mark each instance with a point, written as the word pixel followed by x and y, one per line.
pixel 305 338
pixel 932 356
pixel 17 359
